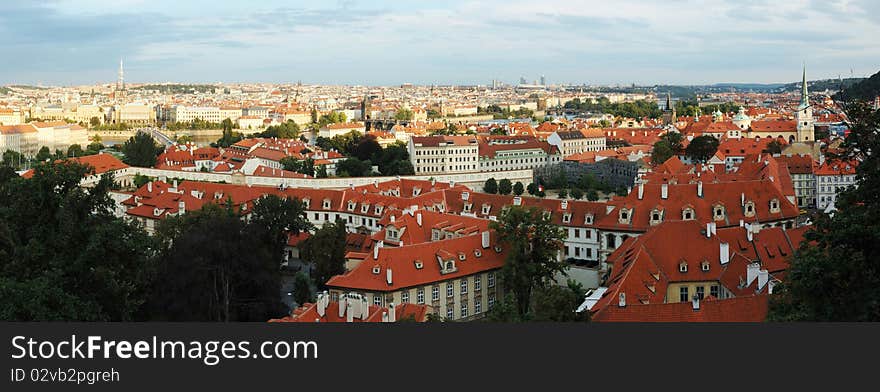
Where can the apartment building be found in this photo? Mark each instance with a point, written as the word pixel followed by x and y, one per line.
pixel 499 153
pixel 577 141
pixel 444 154
pixel 832 177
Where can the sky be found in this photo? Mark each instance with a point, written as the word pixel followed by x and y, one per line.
pixel 381 42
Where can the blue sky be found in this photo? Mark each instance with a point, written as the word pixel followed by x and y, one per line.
pixel 462 42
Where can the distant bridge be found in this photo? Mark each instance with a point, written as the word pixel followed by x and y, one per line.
pixel 156 133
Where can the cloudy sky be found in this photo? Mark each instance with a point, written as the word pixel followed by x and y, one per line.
pixel 389 42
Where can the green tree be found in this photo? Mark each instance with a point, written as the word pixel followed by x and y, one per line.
pixel 518 188
pixel 140 180
pixel 563 194
pixel 140 150
pixel 291 164
pixel 490 186
pixel 64 255
pixel 302 289
pixel 505 187
pixel 661 152
pixel 702 148
pixel 353 167
pixel 94 148
pixel 94 122
pixel 324 250
pixel 774 147
pixel 75 150
pixel 593 195
pixel 835 274
pixel 533 243
pixel 558 303
pixel 43 155
pixel 674 141
pixel 532 188
pixel 577 193
pixel 403 114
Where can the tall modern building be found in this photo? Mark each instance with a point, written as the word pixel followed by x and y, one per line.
pixel 543 81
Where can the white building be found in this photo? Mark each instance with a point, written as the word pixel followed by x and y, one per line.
pixel 444 154
pixel 577 141
pixel 506 153
pixel 832 177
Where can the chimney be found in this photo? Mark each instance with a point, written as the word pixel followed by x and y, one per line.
pixel 150 187
pixel 376 250
pixel 714 228
pixel 763 278
pixel 664 191
pixel 749 233
pixel 349 314
pixel 388 276
pixel 695 302
pixel 752 273
pixel 641 190
pixel 465 195
pixel 342 305
pixel 392 313
pixel 708 230
pixel 621 300
pixel 384 317
pixel 725 253
pixel 485 239
pixel 175 184
pixel 742 199
pixel 181 207
pixel 419 219
pixel 699 188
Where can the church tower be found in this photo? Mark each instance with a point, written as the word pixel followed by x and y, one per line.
pixel 120 82
pixel 804 115
pixel 669 111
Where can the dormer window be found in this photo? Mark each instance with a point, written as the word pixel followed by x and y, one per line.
pixel 326 204
pixel 376 270
pixel 378 210
pixel 418 264
pixel 435 234
pixel 416 191
pixel 625 215
pixel 750 208
pixel 306 202
pixel 566 217
pixel 467 207
pixel 704 266
pixel 517 201
pixel 718 212
pixel 656 216
pixel 477 253
pixel 564 204
pixel 486 208
pixel 365 207
pixel 588 219
pixel 497 249
pixel 683 267
pixel 774 205
pixel 687 214
pixel 461 256
pixel 546 215
pixel 351 205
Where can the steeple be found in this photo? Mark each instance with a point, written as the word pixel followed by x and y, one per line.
pixel 804 99
pixel 120 83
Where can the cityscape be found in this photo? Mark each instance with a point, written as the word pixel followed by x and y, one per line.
pixel 526 197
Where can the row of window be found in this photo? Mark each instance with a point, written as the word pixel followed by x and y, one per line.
pixel 684 292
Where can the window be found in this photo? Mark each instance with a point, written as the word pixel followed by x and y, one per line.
pixel 490 279
pixel 683 267
pixel 683 294
pixel 464 286
pixel 435 293
pixel 377 299
pixel 701 292
pixel 449 290
pixel 449 314
pixel 713 290
pixel 704 266
pixel 404 297
pixel 478 280
pixel 420 296
pixel 464 309
pixel 478 306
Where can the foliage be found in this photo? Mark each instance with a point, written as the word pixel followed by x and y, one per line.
pixel 865 90
pixel 325 249
pixel 490 186
pixel 505 187
pixel 403 114
pixel 533 243
pixel 638 109
pixel 302 288
pixel 43 155
pixel 774 147
pixel 12 159
pixel 702 148
pixel 286 130
pixel 304 166
pixel 518 188
pixel 577 194
pixel 532 188
pixel 75 150
pixel 661 152
pixel 563 194
pixel 141 150
pixel 344 144
pixel 63 253
pixel 195 124
pixel 835 274
pixel 353 167
pixel 140 180
pixel 558 303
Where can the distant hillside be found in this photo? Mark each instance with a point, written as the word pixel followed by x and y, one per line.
pixel 822 85
pixel 177 88
pixel 866 90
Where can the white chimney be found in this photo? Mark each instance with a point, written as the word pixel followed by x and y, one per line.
pixel 419 219
pixel 708 230
pixel 175 184
pixel 342 305
pixel 621 300
pixel 485 239
pixel 376 249
pixel 181 207
pixel 752 273
pixel 384 317
pixel 392 313
pixel 349 314
pixel 641 191
pixel 714 228
pixel 388 276
pixel 699 188
pixel 322 306
pixel 465 195
pixel 724 253
pixel 763 278
pixel 664 191
pixel 742 199
pixel 150 187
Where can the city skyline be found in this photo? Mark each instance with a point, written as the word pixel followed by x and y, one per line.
pixel 70 42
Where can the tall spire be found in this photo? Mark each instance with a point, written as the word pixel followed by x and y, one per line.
pixel 120 84
pixel 804 98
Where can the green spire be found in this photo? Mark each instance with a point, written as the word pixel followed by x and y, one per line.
pixel 804 99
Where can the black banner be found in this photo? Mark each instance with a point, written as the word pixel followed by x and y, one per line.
pixel 39 356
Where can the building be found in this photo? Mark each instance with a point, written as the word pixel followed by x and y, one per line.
pixel 804 115
pixel 21 138
pixel 801 168
pixel 59 135
pixel 185 114
pixel 577 141
pixel 499 153
pixel 133 114
pixel 444 154
pixel 11 116
pixel 352 307
pixel 331 130
pixel 832 177
pixel 457 277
